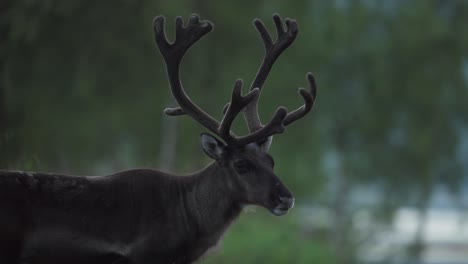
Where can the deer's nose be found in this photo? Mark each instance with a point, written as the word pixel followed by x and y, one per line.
pixel 287 201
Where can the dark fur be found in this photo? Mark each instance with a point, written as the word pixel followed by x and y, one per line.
pixel 147 216
pixel 135 216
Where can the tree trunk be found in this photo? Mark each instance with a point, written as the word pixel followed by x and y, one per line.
pixel 417 248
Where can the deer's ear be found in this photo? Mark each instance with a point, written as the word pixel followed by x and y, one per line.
pixel 212 146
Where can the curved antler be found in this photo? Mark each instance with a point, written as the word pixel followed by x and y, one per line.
pixel 272 52
pixel 309 99
pixel 173 54
pixel 195 30
pixel 238 102
pixel 285 37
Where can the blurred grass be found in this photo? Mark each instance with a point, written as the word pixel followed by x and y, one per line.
pixel 260 237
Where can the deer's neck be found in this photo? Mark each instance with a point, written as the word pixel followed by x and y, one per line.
pixel 212 201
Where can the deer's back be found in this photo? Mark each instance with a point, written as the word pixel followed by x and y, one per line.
pixel 87 217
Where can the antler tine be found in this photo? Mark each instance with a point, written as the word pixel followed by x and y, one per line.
pixel 196 29
pixel 275 126
pixel 281 118
pixel 272 52
pixel 238 102
pixel 309 99
pixel 173 54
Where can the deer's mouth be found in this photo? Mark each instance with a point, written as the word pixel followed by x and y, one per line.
pixel 279 211
pixel 283 207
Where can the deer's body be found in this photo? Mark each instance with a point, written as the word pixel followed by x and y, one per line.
pixel 140 216
pixel 146 216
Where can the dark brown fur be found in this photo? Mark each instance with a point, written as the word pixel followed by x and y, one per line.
pixel 135 216
pixel 147 216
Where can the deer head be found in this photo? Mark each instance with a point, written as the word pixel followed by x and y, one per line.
pixel 244 159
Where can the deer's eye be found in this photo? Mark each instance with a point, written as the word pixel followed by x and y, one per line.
pixel 241 166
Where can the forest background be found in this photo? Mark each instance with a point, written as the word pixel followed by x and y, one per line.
pixel 82 89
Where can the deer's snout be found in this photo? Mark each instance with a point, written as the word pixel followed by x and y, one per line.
pixel 287 202
pixel 284 202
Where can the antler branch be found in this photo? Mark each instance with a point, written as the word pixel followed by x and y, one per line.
pixel 238 102
pixel 196 29
pixel 309 99
pixel 275 126
pixel 173 54
pixel 272 52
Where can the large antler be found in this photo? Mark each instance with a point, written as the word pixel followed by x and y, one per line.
pixel 173 54
pixel 272 52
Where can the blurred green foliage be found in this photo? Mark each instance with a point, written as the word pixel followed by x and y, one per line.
pixel 83 88
pixel 259 238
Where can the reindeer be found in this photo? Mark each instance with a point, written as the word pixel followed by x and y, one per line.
pixel 145 215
